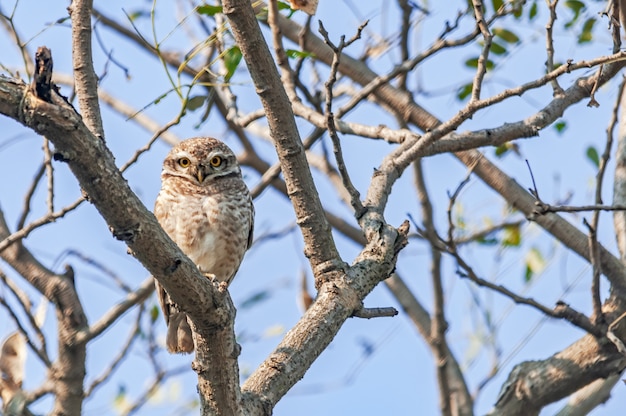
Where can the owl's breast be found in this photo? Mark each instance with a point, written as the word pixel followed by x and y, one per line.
pixel 211 230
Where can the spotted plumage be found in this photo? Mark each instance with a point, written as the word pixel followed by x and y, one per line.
pixel 206 208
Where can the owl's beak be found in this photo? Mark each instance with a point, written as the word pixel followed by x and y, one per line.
pixel 200 175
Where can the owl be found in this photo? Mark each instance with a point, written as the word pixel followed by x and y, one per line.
pixel 206 208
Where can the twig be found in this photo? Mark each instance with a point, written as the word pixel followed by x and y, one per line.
pixel 439 325
pixel 274 171
pixel 594 254
pixel 26 306
pixel 126 110
pixel 132 299
pixel 593 227
pixel 483 58
pixel 40 353
pixel 160 374
pixel 534 191
pixel 25 231
pixel 369 313
pixel 560 311
pixel 545 208
pixel 481 234
pixel 47 161
pixel 96 264
pixel 556 88
pixel 29 196
pixel 355 198
pixel 288 229
pixel 121 355
pixel 452 200
pixel 405 33
pixel 109 53
pixel 156 135
pixel 9 25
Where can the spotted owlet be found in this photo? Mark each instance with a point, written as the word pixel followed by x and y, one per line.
pixel 206 208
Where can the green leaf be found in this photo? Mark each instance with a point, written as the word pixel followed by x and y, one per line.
pixel 154 313
pixel 576 6
pixel 532 13
pixel 496 4
pixel 512 236
pixel 586 35
pixel 135 15
pixel 284 6
pixel 502 149
pixel 560 126
pixel 528 274
pixel 465 91
pixel 473 63
pixel 497 48
pixel 294 53
pixel 232 57
pixel 487 241
pixel 592 155
pixel 505 147
pixel 196 102
pixel 535 263
pixel 505 34
pixel 209 10
pixel 158 99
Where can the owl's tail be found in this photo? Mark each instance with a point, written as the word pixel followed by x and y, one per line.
pixel 179 339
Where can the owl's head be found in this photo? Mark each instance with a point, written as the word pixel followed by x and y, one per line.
pixel 201 160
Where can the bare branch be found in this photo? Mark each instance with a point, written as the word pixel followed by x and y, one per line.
pixel 84 73
pixel 319 244
pixel 483 58
pixel 355 200
pixel 369 313
pixel 121 355
pixel 556 88
pixel 439 324
pixel 132 299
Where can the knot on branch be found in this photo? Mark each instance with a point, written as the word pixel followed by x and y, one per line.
pixel 173 267
pixel 61 157
pixel 128 234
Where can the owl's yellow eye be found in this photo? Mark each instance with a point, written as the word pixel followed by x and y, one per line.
pixel 184 162
pixel 215 161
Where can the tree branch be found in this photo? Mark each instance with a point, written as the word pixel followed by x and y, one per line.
pixel 132 223
pixel 82 59
pixel 319 244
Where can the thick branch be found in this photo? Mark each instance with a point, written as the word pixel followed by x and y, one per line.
pixel 93 165
pixel 319 244
pixel 335 302
pixel 567 371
